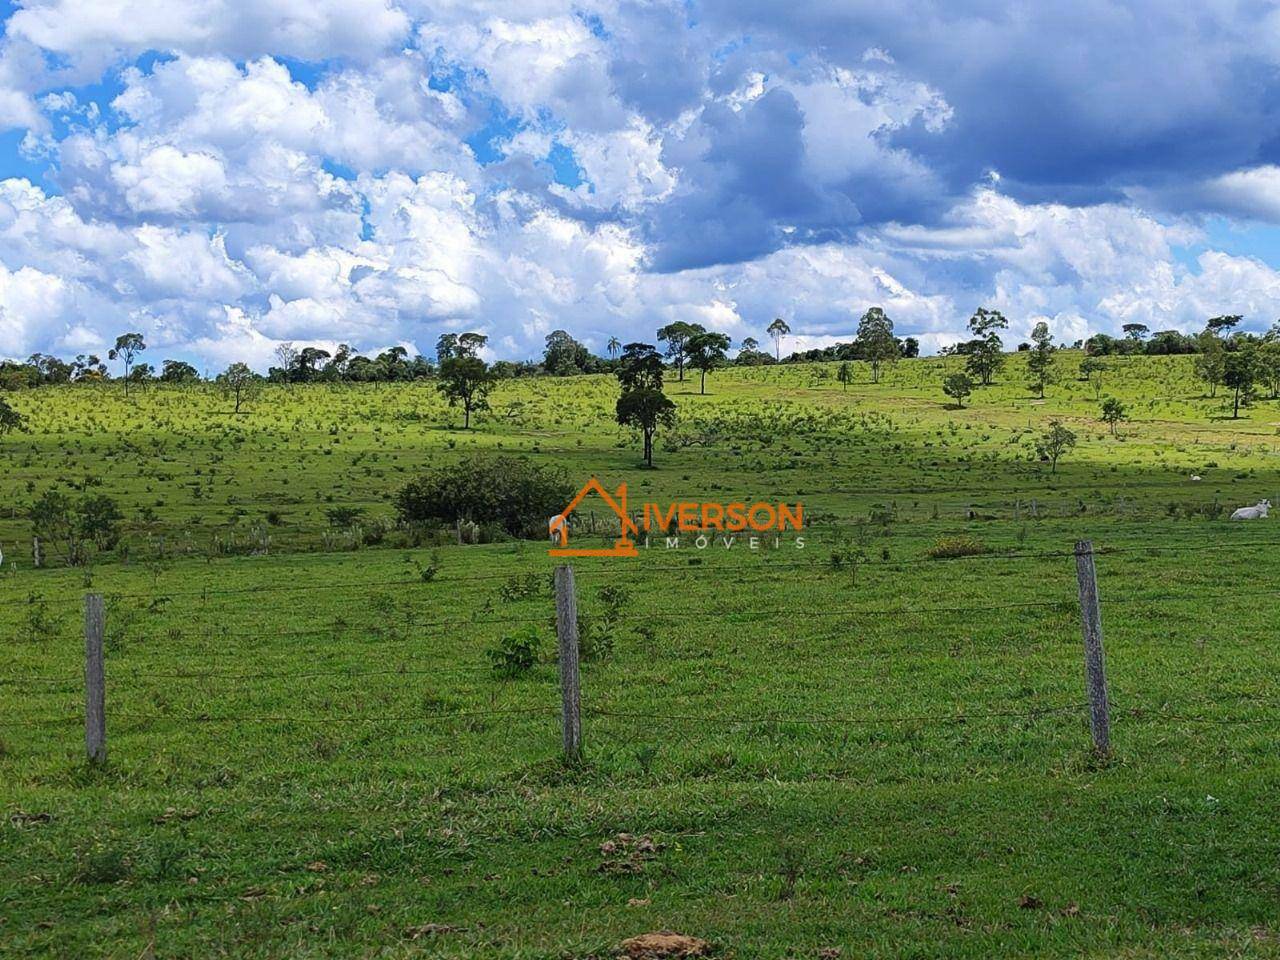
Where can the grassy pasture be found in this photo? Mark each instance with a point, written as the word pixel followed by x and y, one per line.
pixel 311 756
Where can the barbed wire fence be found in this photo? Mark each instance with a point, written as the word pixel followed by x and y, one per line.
pixel 576 710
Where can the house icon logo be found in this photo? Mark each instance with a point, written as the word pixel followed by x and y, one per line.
pixel 624 546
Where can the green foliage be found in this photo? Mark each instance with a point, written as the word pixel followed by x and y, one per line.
pixel 642 404
pixel 1113 412
pixel 1055 443
pixel 76 528
pixel 525 586
pixel 10 419
pixel 514 492
pixel 515 654
pixel 706 352
pixel 875 340
pixel 949 548
pixel 957 386
pixel 239 384
pixel 1040 359
pixel 466 381
pixel 845 375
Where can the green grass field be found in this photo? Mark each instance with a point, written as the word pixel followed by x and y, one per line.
pixel 310 754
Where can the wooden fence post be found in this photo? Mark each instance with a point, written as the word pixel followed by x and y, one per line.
pixel 567 632
pixel 95 688
pixel 36 553
pixel 1095 674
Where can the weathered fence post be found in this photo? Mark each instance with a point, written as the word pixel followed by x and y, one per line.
pixel 567 632
pixel 95 687
pixel 37 554
pixel 1095 674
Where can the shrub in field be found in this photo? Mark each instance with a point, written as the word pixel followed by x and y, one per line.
pixel 524 586
pixel 75 528
pixel 946 548
pixel 515 654
pixel 511 491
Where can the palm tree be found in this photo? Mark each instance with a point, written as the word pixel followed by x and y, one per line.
pixel 613 346
pixel 778 329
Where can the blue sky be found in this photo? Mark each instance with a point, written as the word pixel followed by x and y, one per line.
pixel 227 176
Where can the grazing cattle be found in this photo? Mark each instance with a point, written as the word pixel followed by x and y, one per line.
pixel 554 524
pixel 1195 478
pixel 1253 513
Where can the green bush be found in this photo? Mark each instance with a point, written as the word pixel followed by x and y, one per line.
pixel 512 492
pixel 946 548
pixel 515 654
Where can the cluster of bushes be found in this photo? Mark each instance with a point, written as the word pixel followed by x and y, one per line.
pixel 512 493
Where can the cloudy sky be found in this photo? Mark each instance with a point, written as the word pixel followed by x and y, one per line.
pixel 224 175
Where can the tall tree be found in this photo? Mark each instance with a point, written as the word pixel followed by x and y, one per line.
pixel 875 340
pixel 845 375
pixel 239 383
pixel 466 380
pixel 564 356
pixel 1092 370
pixel 1269 365
pixel 1136 331
pixel 706 352
pixel 1055 443
pixel 613 346
pixel 1040 361
pixel 677 336
pixel 985 352
pixel 642 404
pixel 1239 371
pixel 957 386
pixel 1210 363
pixel 1112 413
pixel 286 359
pixel 128 346
pixel 778 329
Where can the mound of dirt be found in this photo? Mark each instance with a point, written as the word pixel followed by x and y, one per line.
pixel 664 943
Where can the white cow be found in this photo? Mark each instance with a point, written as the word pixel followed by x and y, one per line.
pixel 554 524
pixel 1196 478
pixel 1253 513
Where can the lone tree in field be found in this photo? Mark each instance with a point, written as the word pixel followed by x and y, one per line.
pixel 466 380
pixel 1040 361
pixel 642 404
pixel 1239 371
pixel 957 386
pixel 1136 331
pixel 1056 442
pixel 1112 413
pixel 1210 362
pixel 677 337
pixel 707 351
pixel 1092 370
pixel 239 383
pixel 845 375
pixel 778 329
pixel 10 419
pixel 875 340
pixel 985 352
pixel 128 346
